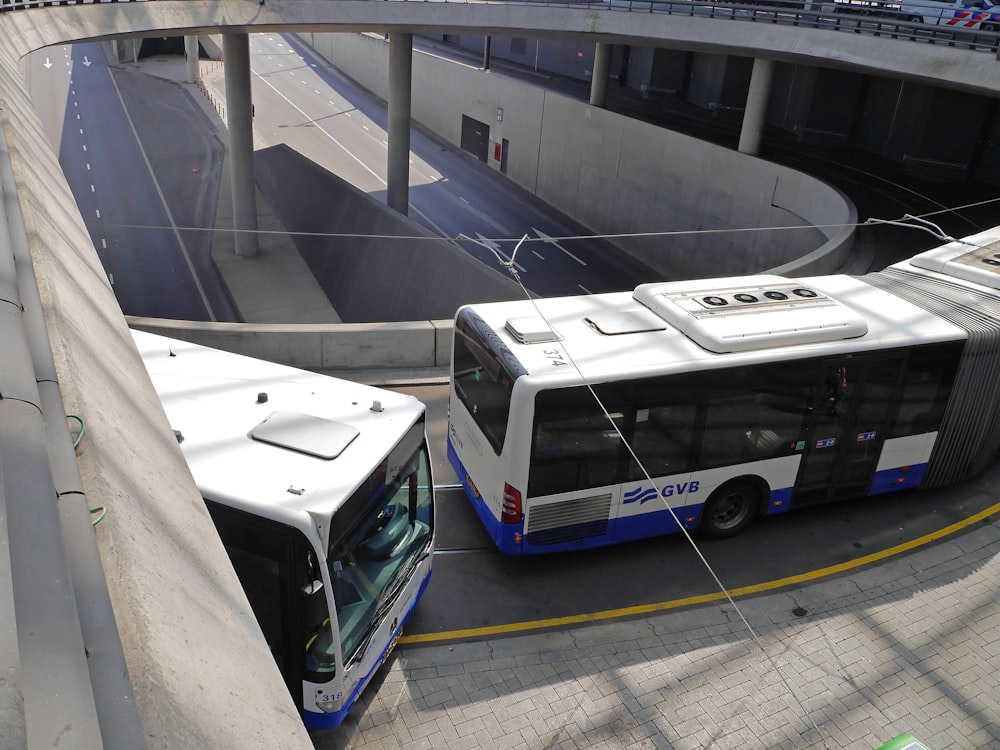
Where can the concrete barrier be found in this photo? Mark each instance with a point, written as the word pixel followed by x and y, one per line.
pixel 619 176
pixel 336 346
pixel 201 672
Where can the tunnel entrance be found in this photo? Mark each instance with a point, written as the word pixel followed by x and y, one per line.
pixel 166 45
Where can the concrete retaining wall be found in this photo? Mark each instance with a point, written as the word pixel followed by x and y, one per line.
pixel 347 346
pixel 202 674
pixel 617 175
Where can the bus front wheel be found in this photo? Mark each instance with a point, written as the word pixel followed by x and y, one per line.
pixel 730 509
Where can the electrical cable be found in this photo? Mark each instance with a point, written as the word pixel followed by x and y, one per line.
pixel 906 221
pixel 564 238
pixel 83 427
pixel 510 266
pixel 100 511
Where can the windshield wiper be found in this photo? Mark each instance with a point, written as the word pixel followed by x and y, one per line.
pixel 381 606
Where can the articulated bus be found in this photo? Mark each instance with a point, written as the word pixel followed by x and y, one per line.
pixel 321 492
pixel 584 421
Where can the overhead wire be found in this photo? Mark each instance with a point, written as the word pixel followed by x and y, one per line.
pixel 922 223
pixel 754 636
pixel 908 221
pixel 901 221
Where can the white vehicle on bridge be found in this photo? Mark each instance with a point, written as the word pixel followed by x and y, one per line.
pixel 321 492
pixel 584 421
pixel 961 14
pixel 975 15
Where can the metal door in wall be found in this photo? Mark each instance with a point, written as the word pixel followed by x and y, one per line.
pixel 476 138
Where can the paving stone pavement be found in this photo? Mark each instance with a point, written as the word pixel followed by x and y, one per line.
pixel 911 644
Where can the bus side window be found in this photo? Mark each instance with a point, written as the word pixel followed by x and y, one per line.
pixel 261 580
pixel 574 445
pixel 779 419
pixel 927 384
pixel 662 440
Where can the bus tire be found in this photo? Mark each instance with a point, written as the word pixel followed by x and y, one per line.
pixel 730 509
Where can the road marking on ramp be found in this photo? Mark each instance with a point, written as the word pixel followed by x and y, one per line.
pixel 648 609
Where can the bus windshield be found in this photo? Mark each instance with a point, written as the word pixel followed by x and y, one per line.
pixel 377 538
pixel 482 381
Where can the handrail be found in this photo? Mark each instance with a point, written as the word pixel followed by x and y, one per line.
pixel 873 19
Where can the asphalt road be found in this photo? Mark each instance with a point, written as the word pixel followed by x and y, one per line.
pixel 476 591
pixel 303 102
pixel 143 163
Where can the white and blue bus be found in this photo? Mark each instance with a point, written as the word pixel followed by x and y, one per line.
pixel 584 421
pixel 321 492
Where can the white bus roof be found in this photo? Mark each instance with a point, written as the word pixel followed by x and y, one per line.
pixel 975 259
pixel 270 439
pixel 670 326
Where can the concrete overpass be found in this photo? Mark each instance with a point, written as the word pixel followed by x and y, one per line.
pixel 161 600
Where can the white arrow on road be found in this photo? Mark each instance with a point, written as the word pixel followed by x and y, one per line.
pixel 48 63
pixel 547 238
pixel 86 61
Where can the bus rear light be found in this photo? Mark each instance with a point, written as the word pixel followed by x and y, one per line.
pixel 510 509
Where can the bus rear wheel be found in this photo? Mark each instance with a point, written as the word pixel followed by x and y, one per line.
pixel 730 509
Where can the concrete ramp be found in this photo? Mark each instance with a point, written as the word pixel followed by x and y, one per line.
pixel 369 276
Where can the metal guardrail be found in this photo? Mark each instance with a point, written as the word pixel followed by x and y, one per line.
pixel 869 18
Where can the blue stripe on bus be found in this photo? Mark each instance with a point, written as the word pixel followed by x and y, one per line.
pixel 319 720
pixel 657 522
pixel 780 501
pixel 898 478
pixel 504 535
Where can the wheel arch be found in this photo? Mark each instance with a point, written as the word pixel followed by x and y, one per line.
pixel 753 482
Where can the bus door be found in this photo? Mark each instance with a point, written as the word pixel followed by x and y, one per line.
pixel 852 405
pixel 267 558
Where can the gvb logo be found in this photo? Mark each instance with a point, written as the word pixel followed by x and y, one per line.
pixel 639 495
pixel 643 494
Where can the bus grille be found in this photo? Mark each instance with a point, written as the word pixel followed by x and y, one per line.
pixel 579 518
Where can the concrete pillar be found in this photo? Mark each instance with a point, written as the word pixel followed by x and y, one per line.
pixel 398 168
pixel 191 57
pixel 486 52
pixel 756 107
pixel 602 69
pixel 239 111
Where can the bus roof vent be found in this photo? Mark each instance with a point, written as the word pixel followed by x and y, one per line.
pixel 305 433
pixel 980 265
pixel 531 330
pixel 626 321
pixel 753 312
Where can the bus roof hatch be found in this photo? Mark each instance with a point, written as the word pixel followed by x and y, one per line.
pixel 305 433
pixel 753 312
